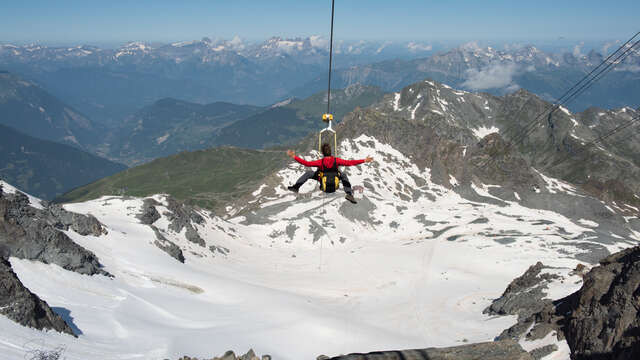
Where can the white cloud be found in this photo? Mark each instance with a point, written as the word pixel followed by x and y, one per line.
pixel 605 47
pixel 471 46
pixel 493 76
pixel 514 46
pixel 634 68
pixel 237 43
pixel 387 43
pixel 415 47
pixel 318 42
pixel 577 50
pixel 512 88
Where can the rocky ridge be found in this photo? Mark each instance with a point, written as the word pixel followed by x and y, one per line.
pixel 599 321
pixel 27 232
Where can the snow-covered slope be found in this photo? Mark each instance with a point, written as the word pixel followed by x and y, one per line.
pixel 33 201
pixel 413 264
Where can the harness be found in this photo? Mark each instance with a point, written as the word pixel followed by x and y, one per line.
pixel 329 178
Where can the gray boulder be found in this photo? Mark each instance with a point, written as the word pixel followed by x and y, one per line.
pixel 24 307
pixel 149 213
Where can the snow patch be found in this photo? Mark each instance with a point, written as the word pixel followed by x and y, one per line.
pixel 396 101
pixel 555 185
pixel 162 139
pixel 9 189
pixel 588 223
pixel 483 131
pixel 564 110
pixel 452 180
pixel 282 103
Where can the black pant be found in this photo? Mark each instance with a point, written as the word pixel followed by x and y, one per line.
pixel 314 175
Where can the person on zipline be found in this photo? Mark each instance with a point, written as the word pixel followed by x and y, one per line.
pixel 326 165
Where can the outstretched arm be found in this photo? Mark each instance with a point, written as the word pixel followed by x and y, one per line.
pixel 343 162
pixel 302 161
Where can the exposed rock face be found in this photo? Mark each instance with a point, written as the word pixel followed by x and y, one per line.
pixel 230 355
pixel 34 234
pixel 603 320
pixel 496 350
pixel 149 213
pixel 599 321
pixel 167 246
pixel 523 296
pixel 24 307
pixel 182 216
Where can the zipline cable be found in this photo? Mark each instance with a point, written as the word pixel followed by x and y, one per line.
pixel 570 95
pixel 333 3
pixel 330 59
pixel 567 94
pixel 597 140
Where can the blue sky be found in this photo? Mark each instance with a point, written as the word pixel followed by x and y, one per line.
pixel 92 21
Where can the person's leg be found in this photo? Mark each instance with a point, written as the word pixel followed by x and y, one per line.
pixel 345 183
pixel 306 176
pixel 347 188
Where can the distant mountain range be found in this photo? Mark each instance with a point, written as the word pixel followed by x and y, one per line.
pixel 475 68
pixel 170 126
pixel 48 169
pixel 109 84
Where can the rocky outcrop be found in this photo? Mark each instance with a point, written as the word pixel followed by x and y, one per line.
pixel 24 307
pixel 82 224
pixel 230 355
pixel 495 350
pixel 183 216
pixel 149 213
pixel 167 246
pixel 524 295
pixel 180 217
pixel 34 234
pixel 602 319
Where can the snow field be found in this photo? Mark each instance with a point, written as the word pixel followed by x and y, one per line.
pixel 412 265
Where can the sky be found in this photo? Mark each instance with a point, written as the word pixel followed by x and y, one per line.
pixel 92 21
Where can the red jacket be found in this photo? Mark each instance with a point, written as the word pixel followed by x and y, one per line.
pixel 328 162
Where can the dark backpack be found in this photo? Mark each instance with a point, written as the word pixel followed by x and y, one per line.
pixel 329 178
